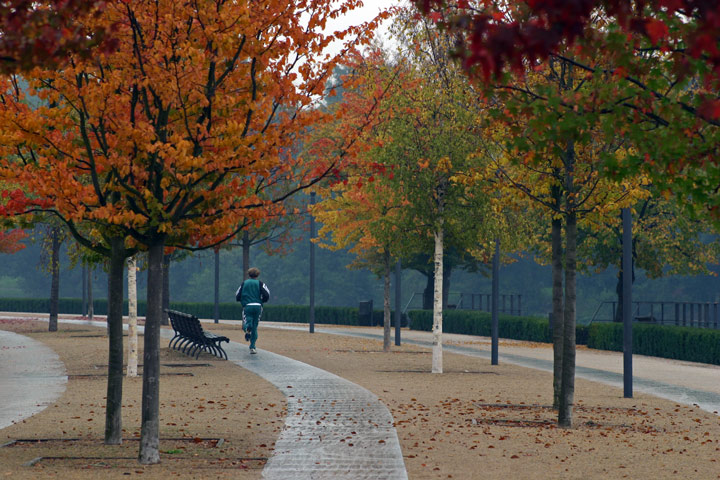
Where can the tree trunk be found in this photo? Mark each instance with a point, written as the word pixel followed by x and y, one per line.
pixel 437 358
pixel 84 290
pixel 113 410
pixel 446 285
pixel 91 300
pixel 619 286
pixel 619 293
pixel 246 253
pixel 398 301
pixel 428 292
pixel 567 386
pixel 557 301
pixel 150 426
pixel 132 363
pixel 386 304
pixel 55 282
pixel 216 310
pixel 166 288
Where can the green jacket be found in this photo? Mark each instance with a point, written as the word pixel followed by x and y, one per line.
pixel 252 291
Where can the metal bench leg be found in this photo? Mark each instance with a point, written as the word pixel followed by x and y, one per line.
pixel 219 347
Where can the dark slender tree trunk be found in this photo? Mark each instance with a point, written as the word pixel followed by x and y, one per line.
pixel 166 288
pixel 567 387
pixel 55 282
pixel 557 301
pixel 386 303
pixel 245 253
pixel 447 270
pixel 216 311
pixel 619 293
pixel 150 426
pixel 91 300
pixel 398 301
pixel 113 410
pixel 428 292
pixel 619 286
pixel 84 290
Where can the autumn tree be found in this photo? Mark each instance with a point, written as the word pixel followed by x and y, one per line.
pixel 554 147
pixel 665 73
pixel 168 139
pixel 639 81
pixel 45 33
pixel 409 193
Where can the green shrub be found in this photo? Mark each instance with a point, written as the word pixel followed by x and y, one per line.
pixel 680 343
pixel 229 311
pixel 534 329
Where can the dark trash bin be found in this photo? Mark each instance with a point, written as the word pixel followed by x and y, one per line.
pixel 365 313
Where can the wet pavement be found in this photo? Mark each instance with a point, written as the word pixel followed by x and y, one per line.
pixel 31 377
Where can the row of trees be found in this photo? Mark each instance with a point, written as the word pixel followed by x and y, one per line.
pixel 544 158
pixel 200 120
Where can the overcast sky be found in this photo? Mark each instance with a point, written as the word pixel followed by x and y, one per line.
pixel 367 12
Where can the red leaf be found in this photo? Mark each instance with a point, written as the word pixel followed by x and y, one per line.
pixel 656 30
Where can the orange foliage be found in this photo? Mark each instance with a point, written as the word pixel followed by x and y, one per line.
pixel 10 241
pixel 184 131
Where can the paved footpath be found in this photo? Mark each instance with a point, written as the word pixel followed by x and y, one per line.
pixel 31 377
pixel 323 410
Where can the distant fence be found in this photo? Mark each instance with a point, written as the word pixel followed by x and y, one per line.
pixel 682 314
pixel 510 304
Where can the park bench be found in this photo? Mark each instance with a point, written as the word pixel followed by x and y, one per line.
pixel 191 339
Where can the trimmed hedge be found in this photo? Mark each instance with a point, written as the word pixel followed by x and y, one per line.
pixel 533 329
pixel 679 343
pixel 229 311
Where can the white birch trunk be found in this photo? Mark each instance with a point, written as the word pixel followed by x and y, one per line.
pixel 437 365
pixel 132 363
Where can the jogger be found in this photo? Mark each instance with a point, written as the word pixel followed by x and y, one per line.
pixel 252 293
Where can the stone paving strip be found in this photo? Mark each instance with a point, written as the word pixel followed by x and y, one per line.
pixel 31 377
pixel 335 429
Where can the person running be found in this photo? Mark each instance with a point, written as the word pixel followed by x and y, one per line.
pixel 251 294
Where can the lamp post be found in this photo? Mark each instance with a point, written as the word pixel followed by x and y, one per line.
pixel 627 302
pixel 312 266
pixel 398 300
pixel 495 328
